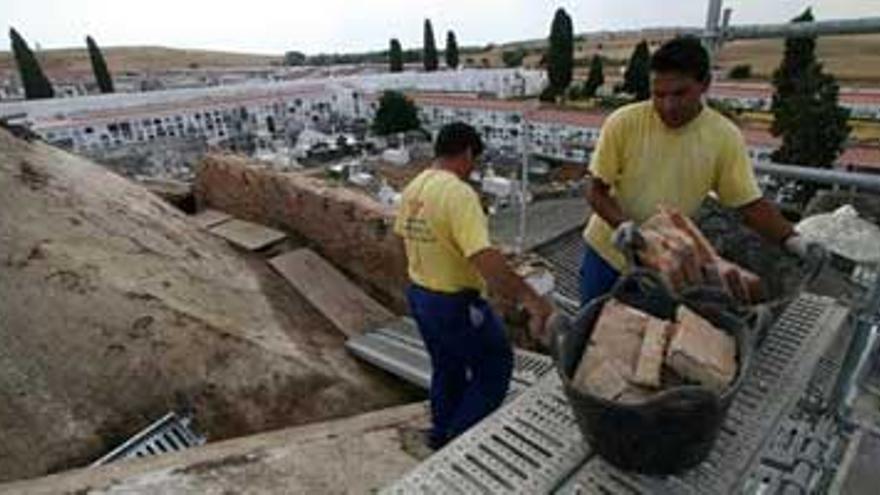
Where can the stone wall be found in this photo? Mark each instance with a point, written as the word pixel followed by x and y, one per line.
pixel 351 230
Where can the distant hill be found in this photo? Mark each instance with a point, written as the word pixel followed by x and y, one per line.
pixel 852 59
pixel 139 58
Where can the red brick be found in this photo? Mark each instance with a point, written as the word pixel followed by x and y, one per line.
pixel 705 251
pixel 683 257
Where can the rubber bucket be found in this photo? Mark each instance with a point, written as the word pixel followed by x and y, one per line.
pixel 676 428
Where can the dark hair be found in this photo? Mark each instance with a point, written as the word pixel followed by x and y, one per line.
pixel 455 138
pixel 684 54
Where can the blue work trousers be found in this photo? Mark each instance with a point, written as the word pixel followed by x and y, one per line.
pixel 597 275
pixel 471 358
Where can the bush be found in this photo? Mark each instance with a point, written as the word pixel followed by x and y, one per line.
pixel 396 113
pixel 294 58
pixel 742 71
pixel 726 109
pixel 513 58
pixel 548 95
pixel 612 102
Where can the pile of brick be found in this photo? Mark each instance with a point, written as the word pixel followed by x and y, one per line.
pixel 681 254
pixel 631 355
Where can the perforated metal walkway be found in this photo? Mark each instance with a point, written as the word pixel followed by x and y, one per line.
pixel 564 256
pixel 398 348
pixel 532 445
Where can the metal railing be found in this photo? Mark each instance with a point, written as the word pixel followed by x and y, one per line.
pixel 861 181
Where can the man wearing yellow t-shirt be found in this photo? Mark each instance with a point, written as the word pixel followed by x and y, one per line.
pixel 672 150
pixel 450 261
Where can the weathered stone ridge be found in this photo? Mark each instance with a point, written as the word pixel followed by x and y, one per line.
pixel 115 308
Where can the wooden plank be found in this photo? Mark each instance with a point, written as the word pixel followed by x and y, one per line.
pixel 350 309
pixel 210 218
pixel 248 235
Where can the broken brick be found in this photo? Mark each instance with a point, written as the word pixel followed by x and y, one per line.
pixel 705 251
pixel 683 257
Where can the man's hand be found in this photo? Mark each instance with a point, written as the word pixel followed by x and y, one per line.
pixel 627 237
pixel 603 203
pixel 804 249
pixel 493 267
pixel 539 309
pixel 812 254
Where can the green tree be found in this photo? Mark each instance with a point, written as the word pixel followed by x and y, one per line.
pixel 35 83
pixel 636 78
pixel 741 71
pixel 396 113
pixel 395 56
pixel 99 66
pixel 560 53
pixel 805 108
pixel 513 58
pixel 548 95
pixel 451 50
pixel 430 49
pixel 293 58
pixel 595 79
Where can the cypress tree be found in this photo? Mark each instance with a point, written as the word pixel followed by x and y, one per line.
pixel 451 50
pixel 806 113
pixel 35 83
pixel 99 66
pixel 430 49
pixel 395 56
pixel 596 78
pixel 560 54
pixel 636 78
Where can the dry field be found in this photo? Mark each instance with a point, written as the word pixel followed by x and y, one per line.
pixel 854 60
pixel 139 59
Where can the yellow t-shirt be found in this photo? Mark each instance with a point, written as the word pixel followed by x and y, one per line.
pixel 442 224
pixel 648 164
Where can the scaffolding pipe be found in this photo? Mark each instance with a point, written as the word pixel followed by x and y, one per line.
pixel 713 15
pixel 523 189
pixel 866 25
pixel 725 19
pixel 868 182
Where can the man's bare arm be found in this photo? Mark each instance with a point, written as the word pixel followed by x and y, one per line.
pixel 599 197
pixel 502 280
pixel 764 217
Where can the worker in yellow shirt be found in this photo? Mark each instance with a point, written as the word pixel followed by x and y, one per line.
pixel 450 261
pixel 671 150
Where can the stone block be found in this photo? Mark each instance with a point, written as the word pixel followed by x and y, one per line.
pixel 606 380
pixel 700 352
pixel 650 360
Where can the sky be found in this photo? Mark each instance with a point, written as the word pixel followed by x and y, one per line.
pixel 326 26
